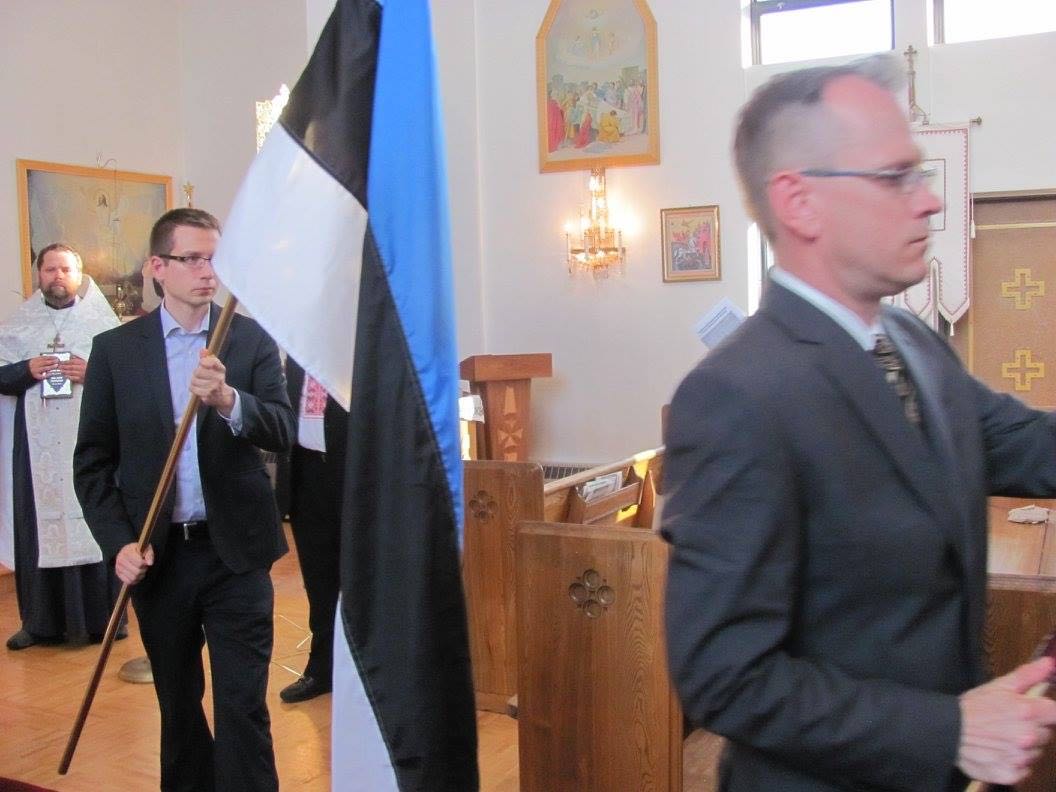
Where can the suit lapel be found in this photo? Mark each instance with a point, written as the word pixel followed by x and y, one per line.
pixel 851 369
pixel 154 370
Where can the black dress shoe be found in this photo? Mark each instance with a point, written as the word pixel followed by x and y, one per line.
pixel 303 689
pixel 23 639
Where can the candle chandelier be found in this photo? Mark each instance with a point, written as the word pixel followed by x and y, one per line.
pixel 596 246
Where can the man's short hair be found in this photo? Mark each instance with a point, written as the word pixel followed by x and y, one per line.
pixel 60 247
pixel 161 234
pixel 785 125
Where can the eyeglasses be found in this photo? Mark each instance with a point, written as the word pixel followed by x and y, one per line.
pixel 194 262
pixel 905 180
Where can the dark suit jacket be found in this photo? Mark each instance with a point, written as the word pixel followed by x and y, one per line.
pixel 335 434
pixel 127 426
pixel 827 584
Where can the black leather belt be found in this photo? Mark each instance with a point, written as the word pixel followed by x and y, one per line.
pixel 197 529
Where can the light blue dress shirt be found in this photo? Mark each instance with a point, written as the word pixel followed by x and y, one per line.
pixel 181 355
pixel 862 333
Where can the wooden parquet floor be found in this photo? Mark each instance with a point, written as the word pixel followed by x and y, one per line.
pixel 41 689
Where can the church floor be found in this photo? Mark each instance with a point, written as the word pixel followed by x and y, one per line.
pixel 41 690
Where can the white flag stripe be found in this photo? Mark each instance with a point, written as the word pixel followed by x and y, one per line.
pixel 293 247
pixel 360 760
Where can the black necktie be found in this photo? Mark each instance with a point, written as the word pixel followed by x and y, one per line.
pixel 894 368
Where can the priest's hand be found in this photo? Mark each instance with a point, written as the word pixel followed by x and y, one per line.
pixel 130 566
pixel 208 384
pixel 1003 730
pixel 41 365
pixel 74 368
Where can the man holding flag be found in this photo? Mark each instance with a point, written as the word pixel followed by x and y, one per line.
pixel 345 183
pixel 204 578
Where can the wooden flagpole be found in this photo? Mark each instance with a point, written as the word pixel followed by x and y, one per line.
pixel 168 473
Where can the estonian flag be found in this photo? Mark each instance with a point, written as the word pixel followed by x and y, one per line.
pixel 338 245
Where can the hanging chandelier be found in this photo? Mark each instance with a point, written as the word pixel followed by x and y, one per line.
pixel 597 248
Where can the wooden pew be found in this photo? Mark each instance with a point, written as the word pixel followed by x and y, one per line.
pixel 498 497
pixel 1021 607
pixel 596 709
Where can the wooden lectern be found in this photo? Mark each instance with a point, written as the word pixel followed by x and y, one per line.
pixel 504 384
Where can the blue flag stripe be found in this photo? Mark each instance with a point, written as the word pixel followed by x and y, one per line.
pixel 407 201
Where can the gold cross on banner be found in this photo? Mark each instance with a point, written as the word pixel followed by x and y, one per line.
pixel 1022 289
pixel 1023 370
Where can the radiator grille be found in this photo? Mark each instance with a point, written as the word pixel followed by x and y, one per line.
pixel 556 470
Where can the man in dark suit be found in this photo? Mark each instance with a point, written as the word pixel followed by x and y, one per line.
pixel 205 576
pixel 314 475
pixel 827 510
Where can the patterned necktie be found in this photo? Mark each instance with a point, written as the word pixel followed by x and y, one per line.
pixel 894 368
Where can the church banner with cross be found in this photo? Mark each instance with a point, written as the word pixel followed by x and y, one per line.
pixel 946 292
pixel 1012 327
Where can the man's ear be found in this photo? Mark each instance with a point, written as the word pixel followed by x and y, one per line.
pixel 794 204
pixel 157 266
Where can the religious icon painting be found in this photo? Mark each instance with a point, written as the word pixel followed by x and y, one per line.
pixel 596 85
pixel 690 239
pixel 104 214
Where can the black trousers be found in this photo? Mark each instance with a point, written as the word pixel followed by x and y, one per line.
pixel 190 599
pixel 315 518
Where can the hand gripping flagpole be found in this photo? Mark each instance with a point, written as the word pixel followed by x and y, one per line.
pixel 168 473
pixel 1047 648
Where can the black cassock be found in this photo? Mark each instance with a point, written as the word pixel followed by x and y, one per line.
pixel 71 603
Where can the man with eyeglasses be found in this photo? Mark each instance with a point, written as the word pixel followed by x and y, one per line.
pixel 826 474
pixel 205 576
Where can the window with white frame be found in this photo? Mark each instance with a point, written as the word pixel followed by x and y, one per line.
pixel 974 20
pixel 796 30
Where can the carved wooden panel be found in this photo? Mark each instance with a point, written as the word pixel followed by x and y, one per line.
pixel 498 496
pixel 596 708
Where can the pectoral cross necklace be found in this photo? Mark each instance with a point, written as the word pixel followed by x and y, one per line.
pixel 57 344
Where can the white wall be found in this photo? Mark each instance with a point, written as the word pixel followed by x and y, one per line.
pixel 169 88
pixel 621 346
pixel 1010 84
pixel 79 80
pixel 233 54
pixel 454 34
